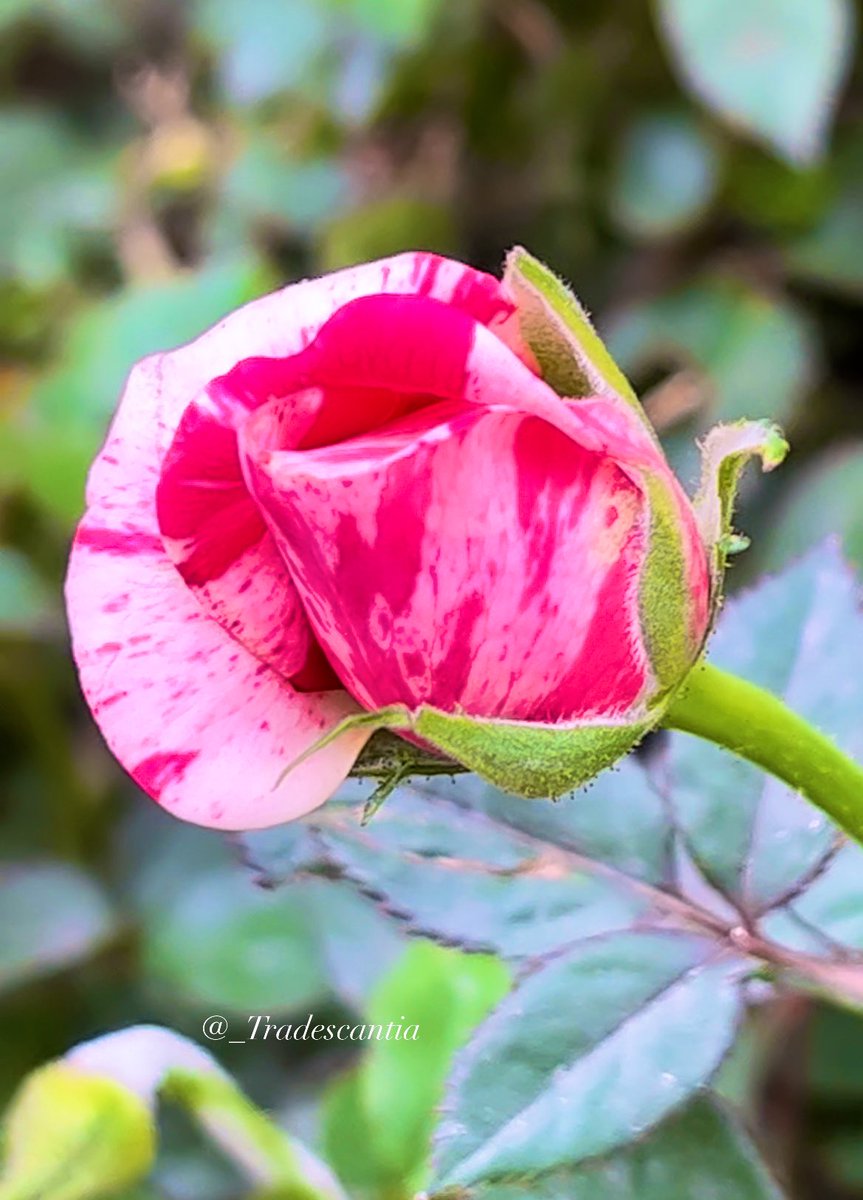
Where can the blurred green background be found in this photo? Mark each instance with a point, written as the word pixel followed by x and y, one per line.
pixel 694 168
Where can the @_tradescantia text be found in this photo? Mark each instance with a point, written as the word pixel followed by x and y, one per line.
pixel 260 1028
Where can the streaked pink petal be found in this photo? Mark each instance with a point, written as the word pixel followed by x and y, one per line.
pixel 470 557
pixel 210 526
pixel 199 723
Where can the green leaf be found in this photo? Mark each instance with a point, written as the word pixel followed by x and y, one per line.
pixel 48 450
pixel 225 943
pixel 348 1137
pixel 700 1154
pixel 665 176
pixel 51 916
pixel 831 906
pixel 618 820
pixel 770 67
pixel 404 24
pixel 215 934
pixel 446 994
pixel 775 197
pixel 468 865
pixel 592 1050
pixel 57 186
pixel 106 339
pixel 356 942
pixel 264 183
pixel 801 637
pixel 88 24
pixel 266 46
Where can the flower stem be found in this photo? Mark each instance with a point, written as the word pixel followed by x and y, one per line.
pixel 758 726
pixel 248 1136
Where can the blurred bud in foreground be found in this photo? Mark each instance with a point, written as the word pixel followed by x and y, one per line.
pixel 70 1135
pixel 83 1127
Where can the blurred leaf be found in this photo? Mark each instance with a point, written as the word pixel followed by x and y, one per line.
pixel 210 936
pixel 51 915
pixel 349 1137
pixel 386 227
pixel 264 46
pixel 356 942
pixel 825 497
pixel 49 462
pixel 592 1050
pixel 54 187
pixel 699 1154
pixel 363 71
pixel 768 192
pixel 46 450
pixel 263 182
pixel 666 175
pixel 771 67
pixel 107 339
pixel 801 637
pixel 759 354
pixel 843 1154
pixel 324 940
pixel 90 24
pixel 379 1118
pixel 405 23
pixel 225 944
pixel 25 601
pixel 830 253
pixel 446 994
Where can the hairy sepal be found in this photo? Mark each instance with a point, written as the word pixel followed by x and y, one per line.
pixel 525 758
pixel 571 356
pixel 665 602
pixel 724 453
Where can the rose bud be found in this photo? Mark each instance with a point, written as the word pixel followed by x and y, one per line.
pixel 405 495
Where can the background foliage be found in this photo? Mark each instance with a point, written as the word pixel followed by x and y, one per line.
pixel 695 168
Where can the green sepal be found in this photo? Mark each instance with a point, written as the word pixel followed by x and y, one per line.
pixel 526 758
pixel 70 1135
pixel 724 453
pixel 571 355
pixel 382 718
pixel 663 594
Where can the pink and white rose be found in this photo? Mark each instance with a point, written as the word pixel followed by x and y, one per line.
pixel 362 492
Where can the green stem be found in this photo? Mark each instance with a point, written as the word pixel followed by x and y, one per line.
pixel 757 725
pixel 246 1134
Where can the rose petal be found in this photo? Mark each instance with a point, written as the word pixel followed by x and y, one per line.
pixel 199 723
pixel 468 557
pixel 211 528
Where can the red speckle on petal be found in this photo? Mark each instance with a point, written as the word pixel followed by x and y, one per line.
pixel 157 771
pixel 115 541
